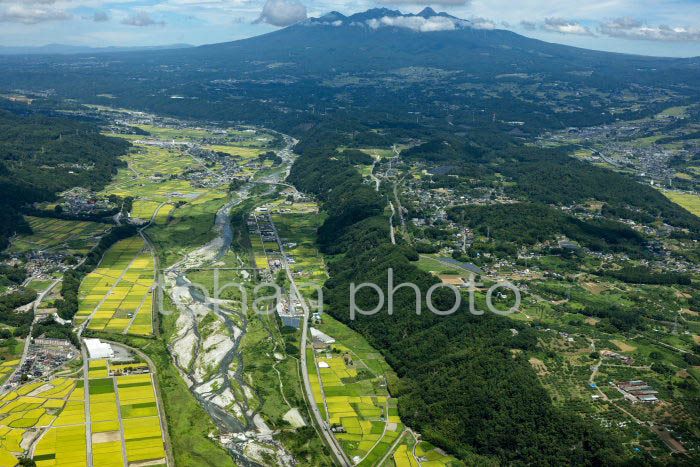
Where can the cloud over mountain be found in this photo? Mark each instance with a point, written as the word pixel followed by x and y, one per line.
pixel 433 2
pixel 282 12
pixel 417 23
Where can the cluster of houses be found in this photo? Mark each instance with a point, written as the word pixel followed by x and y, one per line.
pixel 44 355
pixel 41 264
pixel 624 358
pixel 637 391
pixel 80 201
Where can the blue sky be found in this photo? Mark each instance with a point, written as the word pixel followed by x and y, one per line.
pixel 649 27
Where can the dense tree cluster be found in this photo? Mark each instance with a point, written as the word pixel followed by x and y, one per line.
pixel 53 330
pixel 18 320
pixel 12 275
pixel 642 275
pixel 530 223
pixel 41 156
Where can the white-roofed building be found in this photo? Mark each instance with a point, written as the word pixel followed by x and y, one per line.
pixel 98 349
pixel 321 337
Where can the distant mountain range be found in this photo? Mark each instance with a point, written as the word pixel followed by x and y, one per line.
pixel 428 67
pixel 64 49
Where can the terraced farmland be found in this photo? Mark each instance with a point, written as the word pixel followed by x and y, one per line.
pixel 117 297
pixel 421 454
pixel 59 235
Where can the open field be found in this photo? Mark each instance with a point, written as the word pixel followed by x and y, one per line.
pixel 59 235
pixel 297 229
pixel 52 415
pixel 144 209
pixel 117 296
pixel 685 200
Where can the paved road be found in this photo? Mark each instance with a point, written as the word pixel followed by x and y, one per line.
pixel 86 386
pixel 391 223
pixel 159 398
pixel 338 453
pixel 121 421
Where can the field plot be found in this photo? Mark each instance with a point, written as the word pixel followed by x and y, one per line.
pixel 6 369
pixel 59 235
pixel 687 201
pixel 116 296
pixel 62 446
pixel 132 396
pixel 352 376
pixel 297 231
pixel 57 409
pixel 144 440
pixel 241 152
pixel 144 209
pixel 26 413
pixel 139 409
pixel 163 214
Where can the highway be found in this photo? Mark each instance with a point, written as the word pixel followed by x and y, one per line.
pixel 325 430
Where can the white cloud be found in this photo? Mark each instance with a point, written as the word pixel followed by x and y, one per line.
pixel 282 12
pixel 566 26
pixel 418 23
pixel 29 2
pixel 24 15
pixel 482 23
pixel 141 19
pixel 630 28
pixel 431 2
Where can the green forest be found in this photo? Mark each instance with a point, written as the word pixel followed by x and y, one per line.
pixel 41 156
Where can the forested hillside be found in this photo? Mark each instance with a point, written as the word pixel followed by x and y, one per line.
pixel 459 383
pixel 41 156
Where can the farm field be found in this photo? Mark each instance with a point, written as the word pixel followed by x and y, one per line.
pixel 410 454
pixel 685 200
pixel 144 209
pixel 58 235
pixel 8 366
pixel 299 228
pixel 117 297
pixel 49 418
pixel 27 413
pixel 352 380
